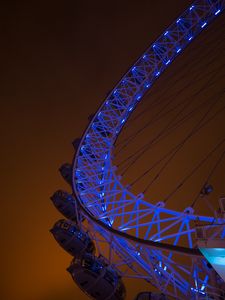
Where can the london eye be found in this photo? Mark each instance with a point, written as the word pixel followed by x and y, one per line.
pixel 147 191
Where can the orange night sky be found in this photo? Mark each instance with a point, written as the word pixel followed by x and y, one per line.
pixel 59 60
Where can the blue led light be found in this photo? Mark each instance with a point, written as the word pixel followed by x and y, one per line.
pixel 95 161
pixel 138 97
pixel 197 291
pixel 204 24
pixel 204 283
pixel 168 61
pixel 217 12
pixel 111 222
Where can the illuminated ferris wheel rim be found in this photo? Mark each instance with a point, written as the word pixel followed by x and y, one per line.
pixel 108 121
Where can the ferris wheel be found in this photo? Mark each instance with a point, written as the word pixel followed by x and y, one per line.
pixel 113 232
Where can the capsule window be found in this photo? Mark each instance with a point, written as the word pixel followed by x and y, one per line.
pixel 87 263
pixel 65 226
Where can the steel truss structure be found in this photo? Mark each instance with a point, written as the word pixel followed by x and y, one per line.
pixel 140 235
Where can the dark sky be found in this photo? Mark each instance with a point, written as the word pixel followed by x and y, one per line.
pixel 59 59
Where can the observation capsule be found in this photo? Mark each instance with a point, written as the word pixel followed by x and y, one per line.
pixel 97 279
pixel 71 238
pixel 151 296
pixel 66 204
pixel 66 172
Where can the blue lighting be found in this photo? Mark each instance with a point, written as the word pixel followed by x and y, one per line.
pixel 223 234
pixel 205 283
pixel 204 24
pixel 97 187
pixel 197 291
pixel 217 12
pixel 168 61
pixel 138 97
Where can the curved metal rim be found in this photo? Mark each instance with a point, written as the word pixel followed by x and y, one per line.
pixel 158 245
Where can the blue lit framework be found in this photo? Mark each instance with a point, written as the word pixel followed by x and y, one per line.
pixel 144 235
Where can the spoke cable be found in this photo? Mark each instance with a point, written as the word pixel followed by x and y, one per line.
pixel 194 170
pixel 184 67
pixel 187 138
pixel 195 94
pixel 160 136
pixel 156 102
pixel 209 177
